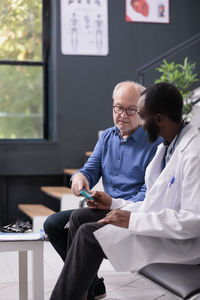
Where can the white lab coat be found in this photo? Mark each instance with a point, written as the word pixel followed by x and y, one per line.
pixel 166 227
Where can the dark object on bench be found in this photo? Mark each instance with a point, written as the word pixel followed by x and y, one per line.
pixel 179 279
pixel 19 226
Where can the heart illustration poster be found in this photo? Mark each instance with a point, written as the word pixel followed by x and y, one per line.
pixel 152 11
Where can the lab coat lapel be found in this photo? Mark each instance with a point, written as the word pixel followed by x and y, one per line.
pixel 154 168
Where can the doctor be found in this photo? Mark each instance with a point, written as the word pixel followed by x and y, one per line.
pixel 166 226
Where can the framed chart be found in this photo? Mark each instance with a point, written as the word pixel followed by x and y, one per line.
pixel 84 27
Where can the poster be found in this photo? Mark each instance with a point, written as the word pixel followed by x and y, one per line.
pixel 84 27
pixel 152 11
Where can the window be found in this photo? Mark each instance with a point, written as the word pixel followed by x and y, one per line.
pixel 23 45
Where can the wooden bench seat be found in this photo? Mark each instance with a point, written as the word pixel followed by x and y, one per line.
pixel 67 176
pixel 64 196
pixel 56 191
pixel 88 154
pixel 37 213
pixel 70 172
pixel 33 210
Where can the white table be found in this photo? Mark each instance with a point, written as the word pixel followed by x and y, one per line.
pixel 37 266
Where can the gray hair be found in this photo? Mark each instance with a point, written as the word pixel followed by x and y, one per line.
pixel 138 86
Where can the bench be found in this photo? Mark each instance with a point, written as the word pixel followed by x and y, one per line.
pixel 67 176
pixel 37 213
pixel 180 280
pixel 88 154
pixel 70 172
pixel 56 191
pixel 64 195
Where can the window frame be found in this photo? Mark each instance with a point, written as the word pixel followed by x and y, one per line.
pixel 44 64
pixel 35 157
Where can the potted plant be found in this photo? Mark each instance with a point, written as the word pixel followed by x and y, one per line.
pixel 183 77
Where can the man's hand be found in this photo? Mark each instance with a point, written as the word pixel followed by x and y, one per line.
pixel 117 217
pixel 101 201
pixel 79 181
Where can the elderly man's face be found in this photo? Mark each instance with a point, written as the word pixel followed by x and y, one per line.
pixel 148 121
pixel 127 98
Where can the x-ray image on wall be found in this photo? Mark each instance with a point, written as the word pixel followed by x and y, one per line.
pixel 84 27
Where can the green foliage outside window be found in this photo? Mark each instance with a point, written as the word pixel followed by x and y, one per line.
pixel 21 87
pixel 183 77
pixel 20 29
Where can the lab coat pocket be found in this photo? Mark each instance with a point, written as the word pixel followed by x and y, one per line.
pixel 173 192
pixel 164 192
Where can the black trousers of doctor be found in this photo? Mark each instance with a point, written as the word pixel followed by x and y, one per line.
pixel 84 255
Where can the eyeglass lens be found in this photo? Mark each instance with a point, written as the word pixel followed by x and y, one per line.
pixel 120 110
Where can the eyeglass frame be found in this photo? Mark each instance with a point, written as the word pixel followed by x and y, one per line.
pixel 124 109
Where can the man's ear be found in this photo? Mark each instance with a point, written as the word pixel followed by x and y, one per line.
pixel 159 118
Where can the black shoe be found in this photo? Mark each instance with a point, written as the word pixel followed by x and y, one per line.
pixel 97 290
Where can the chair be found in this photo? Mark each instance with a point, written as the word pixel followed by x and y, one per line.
pixel 37 266
pixel 181 280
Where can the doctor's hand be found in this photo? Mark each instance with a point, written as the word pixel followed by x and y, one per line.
pixel 79 181
pixel 101 201
pixel 117 217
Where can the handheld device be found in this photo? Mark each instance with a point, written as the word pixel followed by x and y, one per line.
pixel 86 194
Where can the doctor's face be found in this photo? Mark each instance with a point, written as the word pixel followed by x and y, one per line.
pixel 148 121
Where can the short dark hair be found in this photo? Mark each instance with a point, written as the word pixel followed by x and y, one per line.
pixel 164 98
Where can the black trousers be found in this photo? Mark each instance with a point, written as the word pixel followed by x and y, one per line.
pixel 84 255
pixel 58 236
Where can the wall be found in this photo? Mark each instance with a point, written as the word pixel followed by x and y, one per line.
pixel 80 98
pixel 84 84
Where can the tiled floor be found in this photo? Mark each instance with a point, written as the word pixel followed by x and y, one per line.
pixel 124 286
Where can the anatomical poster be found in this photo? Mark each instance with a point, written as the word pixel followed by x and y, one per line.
pixel 152 11
pixel 84 27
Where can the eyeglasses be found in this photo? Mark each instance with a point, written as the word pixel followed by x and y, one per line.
pixel 129 111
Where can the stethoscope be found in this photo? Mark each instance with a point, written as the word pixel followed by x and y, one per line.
pixel 176 139
pixel 173 146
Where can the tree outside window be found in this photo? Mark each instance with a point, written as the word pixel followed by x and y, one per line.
pixel 21 70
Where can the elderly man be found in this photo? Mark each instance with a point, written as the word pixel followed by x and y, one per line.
pixel 120 157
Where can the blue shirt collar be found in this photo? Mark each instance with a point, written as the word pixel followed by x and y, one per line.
pixel 136 135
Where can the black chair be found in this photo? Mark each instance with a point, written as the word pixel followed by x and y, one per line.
pixel 183 281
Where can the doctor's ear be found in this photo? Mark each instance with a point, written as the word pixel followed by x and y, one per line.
pixel 159 118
